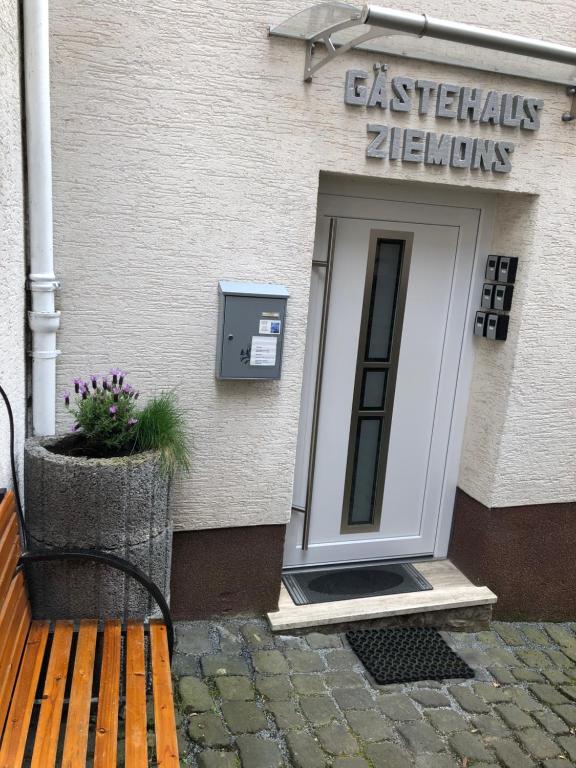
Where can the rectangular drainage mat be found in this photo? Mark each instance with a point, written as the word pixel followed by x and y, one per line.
pixel 407 655
pixel 325 585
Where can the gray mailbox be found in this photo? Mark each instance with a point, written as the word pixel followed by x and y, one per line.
pixel 251 324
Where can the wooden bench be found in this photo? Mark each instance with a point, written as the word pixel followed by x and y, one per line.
pixel 58 684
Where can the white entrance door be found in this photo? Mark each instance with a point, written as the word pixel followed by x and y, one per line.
pixel 399 278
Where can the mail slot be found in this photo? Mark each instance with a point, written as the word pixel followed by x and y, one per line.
pixel 502 297
pixel 507 266
pixel 497 327
pixel 491 268
pixel 487 296
pixel 480 324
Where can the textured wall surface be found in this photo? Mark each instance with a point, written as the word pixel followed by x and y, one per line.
pixel 187 149
pixel 12 269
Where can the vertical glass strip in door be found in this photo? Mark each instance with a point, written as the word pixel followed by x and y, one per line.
pixel 376 365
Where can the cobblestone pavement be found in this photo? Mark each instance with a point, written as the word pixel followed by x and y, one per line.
pixel 247 698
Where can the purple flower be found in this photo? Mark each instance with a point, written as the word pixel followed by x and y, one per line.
pixel 85 393
pixel 113 410
pixel 115 392
pixel 127 388
pixel 136 395
pixel 74 428
pixel 104 382
pixel 94 380
pixel 115 372
pixel 66 397
pixel 131 422
pixel 77 383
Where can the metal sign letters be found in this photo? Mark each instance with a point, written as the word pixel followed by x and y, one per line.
pixel 449 102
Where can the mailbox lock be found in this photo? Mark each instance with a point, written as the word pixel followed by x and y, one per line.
pixel 230 337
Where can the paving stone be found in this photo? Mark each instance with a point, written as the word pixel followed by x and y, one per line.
pixel 547 694
pixel 568 744
pixel 571 653
pixel 509 634
pixel 212 758
pixel 259 753
pixel 503 675
pixel 244 717
pixel 490 726
pixel 256 636
pixel 429 698
pixel 558 658
pixel 344 680
pixel 309 685
pixel 555 676
pixel 305 661
pixel 539 744
pixel 336 740
pixel 499 657
pixel 305 751
pixel 556 762
pixel 426 684
pixel 491 639
pixel 522 699
pixel 286 715
pixel 385 755
pixel 229 640
pixel 525 675
pixel 570 691
pixel 421 737
pixel 318 640
pixel 567 712
pixel 233 688
pixel 193 639
pixel 274 687
pixel 350 762
pixel 398 707
pixel 551 722
pixel 291 643
pixel 342 659
pixel 194 695
pixel 446 720
pixel 475 657
pixel 514 717
pixel 320 710
pixel 469 745
pixel 536 635
pixel 437 761
pixel 208 730
pixel 269 662
pixel 532 658
pixel 369 726
pixel 185 665
pixel 561 635
pixel 353 698
pixel 510 754
pixel 223 664
pixel 493 694
pixel 468 700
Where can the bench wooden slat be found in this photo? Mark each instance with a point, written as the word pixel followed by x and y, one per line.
pixel 14 627
pixel 136 743
pixel 164 717
pixel 7 510
pixel 106 745
pixel 16 731
pixel 9 554
pixel 48 729
pixel 76 738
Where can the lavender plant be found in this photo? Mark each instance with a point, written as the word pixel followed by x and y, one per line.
pixel 109 422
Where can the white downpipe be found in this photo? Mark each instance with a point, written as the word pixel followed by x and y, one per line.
pixel 44 321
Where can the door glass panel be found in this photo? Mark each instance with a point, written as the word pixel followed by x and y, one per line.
pixel 365 470
pixel 377 360
pixel 383 301
pixel 373 389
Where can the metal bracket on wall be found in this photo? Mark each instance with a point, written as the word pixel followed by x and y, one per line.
pixel 567 117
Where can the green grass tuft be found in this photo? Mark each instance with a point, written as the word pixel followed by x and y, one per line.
pixel 161 427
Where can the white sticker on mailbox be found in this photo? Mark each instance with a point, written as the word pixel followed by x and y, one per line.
pixel 263 351
pixel 271 327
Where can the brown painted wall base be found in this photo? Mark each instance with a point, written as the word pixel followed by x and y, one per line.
pixel 526 555
pixel 226 571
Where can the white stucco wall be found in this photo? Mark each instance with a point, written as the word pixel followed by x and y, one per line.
pixel 12 270
pixel 187 149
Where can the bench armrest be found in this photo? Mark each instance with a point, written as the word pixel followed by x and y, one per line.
pixel 43 555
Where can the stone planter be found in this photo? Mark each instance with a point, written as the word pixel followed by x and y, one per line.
pixel 117 505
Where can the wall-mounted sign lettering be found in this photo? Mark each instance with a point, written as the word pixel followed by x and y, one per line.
pixel 463 104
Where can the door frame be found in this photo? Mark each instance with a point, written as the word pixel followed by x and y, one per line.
pixel 336 192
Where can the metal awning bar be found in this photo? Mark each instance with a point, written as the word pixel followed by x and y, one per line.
pixel 340 27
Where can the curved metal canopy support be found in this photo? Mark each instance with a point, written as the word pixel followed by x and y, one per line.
pixel 341 27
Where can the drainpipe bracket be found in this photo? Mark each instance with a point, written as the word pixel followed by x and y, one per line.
pixel 43 283
pixel 40 355
pixel 568 117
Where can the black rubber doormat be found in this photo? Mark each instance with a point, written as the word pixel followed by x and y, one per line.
pixel 407 655
pixel 327 585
